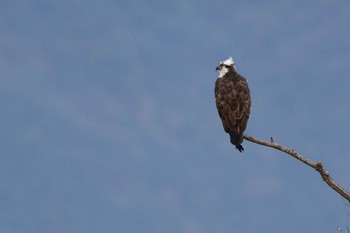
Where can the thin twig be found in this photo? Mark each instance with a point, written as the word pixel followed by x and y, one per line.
pixel 317 166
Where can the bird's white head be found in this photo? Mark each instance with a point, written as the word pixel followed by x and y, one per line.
pixel 224 66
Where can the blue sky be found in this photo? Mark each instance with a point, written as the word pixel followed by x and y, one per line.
pixel 109 122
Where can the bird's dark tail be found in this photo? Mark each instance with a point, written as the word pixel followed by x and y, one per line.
pixel 237 140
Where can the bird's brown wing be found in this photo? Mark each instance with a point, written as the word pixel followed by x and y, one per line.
pixel 226 103
pixel 243 95
pixel 233 104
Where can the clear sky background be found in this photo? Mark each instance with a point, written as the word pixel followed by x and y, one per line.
pixel 108 119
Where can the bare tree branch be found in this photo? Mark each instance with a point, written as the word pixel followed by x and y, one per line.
pixel 317 166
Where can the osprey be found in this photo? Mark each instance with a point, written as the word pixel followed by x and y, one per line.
pixel 232 101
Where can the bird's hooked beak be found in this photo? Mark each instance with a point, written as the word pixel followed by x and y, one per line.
pixel 217 68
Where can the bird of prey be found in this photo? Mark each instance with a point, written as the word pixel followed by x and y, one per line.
pixel 232 101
